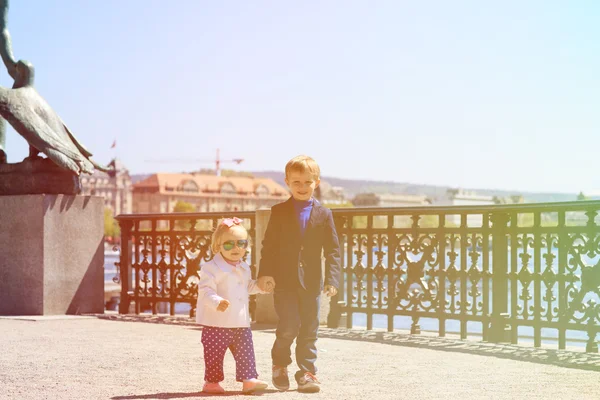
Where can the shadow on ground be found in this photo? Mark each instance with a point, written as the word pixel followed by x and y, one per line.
pixel 562 358
pixel 189 395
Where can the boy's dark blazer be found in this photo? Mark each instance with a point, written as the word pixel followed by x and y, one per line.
pixel 293 260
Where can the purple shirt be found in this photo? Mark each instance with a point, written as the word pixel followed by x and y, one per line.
pixel 303 209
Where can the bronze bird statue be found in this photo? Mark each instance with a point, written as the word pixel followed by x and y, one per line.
pixel 33 118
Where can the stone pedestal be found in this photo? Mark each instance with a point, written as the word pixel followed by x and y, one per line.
pixel 265 310
pixel 37 176
pixel 51 255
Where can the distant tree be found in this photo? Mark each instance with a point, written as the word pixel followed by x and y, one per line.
pixel 525 220
pixel 429 221
pixel 340 205
pixel 359 221
pixel 206 171
pixel 582 197
pixel 111 227
pixel 183 207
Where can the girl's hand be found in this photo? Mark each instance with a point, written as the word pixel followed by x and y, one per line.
pixel 266 283
pixel 330 290
pixel 270 287
pixel 223 304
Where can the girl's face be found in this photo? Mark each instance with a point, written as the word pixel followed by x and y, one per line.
pixel 233 243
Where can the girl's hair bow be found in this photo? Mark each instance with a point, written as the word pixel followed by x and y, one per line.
pixel 232 221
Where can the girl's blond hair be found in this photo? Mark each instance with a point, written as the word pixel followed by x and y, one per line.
pixel 224 226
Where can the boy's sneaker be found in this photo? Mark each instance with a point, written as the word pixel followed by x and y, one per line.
pixel 280 378
pixel 308 383
pixel 212 387
pixel 253 385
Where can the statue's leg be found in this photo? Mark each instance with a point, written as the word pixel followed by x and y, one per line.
pixel 2 141
pixel 33 153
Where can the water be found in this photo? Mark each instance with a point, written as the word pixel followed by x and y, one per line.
pixel 110 270
pixel 526 333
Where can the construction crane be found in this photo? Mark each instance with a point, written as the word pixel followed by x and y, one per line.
pixel 217 161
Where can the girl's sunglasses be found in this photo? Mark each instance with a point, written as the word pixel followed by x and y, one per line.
pixel 230 244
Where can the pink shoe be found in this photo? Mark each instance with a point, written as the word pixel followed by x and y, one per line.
pixel 214 388
pixel 253 385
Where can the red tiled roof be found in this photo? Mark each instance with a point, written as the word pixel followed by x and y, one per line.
pixel 208 184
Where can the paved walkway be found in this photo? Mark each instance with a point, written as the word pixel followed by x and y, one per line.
pixel 130 358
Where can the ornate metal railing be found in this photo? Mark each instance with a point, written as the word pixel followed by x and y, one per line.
pixel 507 267
pixel 161 255
pixel 495 270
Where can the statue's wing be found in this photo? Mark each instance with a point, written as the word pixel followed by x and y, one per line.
pixel 76 142
pixel 57 145
pixel 84 151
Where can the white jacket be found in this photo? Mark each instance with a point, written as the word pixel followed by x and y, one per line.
pixel 220 280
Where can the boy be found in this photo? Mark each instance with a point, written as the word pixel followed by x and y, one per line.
pixel 298 231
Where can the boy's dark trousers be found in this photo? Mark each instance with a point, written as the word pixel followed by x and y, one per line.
pixel 298 312
pixel 294 260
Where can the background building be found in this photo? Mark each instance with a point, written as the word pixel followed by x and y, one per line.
pixel 116 190
pixel 330 195
pixel 159 193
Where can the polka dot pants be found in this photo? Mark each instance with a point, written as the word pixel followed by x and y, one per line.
pixel 216 341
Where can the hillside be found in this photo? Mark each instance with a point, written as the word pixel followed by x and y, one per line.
pixel 353 187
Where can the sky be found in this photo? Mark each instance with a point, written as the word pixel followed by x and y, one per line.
pixel 471 94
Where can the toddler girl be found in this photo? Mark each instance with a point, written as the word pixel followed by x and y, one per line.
pixel 222 309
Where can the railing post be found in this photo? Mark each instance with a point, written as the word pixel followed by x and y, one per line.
pixel 125 265
pixel 337 316
pixel 265 309
pixel 500 329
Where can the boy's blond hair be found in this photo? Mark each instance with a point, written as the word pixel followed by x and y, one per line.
pixel 303 163
pixel 215 241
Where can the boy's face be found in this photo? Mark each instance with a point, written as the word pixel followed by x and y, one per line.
pixel 234 243
pixel 302 184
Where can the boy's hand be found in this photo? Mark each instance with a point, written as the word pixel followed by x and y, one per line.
pixel 266 284
pixel 330 290
pixel 223 304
